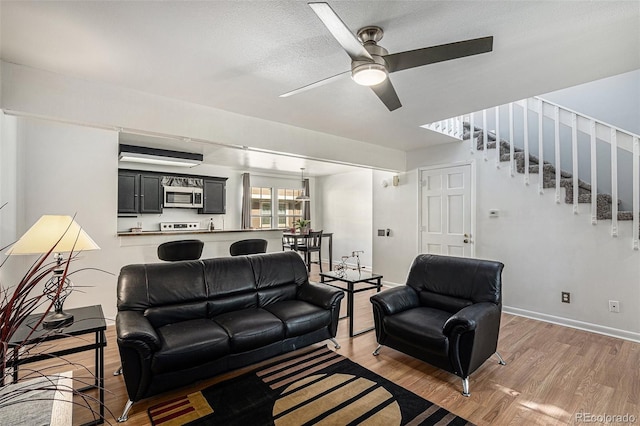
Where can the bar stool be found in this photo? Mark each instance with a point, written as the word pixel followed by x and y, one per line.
pixel 250 246
pixel 174 251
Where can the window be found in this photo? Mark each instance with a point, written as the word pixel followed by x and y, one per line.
pixel 263 216
pixel 261 208
pixel 289 209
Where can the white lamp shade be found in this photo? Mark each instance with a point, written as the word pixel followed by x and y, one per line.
pixel 60 231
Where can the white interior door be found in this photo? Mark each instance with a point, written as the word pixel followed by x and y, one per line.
pixel 445 211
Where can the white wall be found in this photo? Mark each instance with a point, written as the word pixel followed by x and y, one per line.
pixel 614 100
pixel 345 205
pixel 545 248
pixel 394 208
pixel 62 169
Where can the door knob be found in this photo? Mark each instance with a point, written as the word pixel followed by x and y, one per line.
pixel 466 241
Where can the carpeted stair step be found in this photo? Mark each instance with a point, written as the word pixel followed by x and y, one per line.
pixel 622 215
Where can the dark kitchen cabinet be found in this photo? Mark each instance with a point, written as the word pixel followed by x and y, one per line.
pixel 139 193
pixel 214 196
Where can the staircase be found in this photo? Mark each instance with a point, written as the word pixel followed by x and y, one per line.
pixel 603 206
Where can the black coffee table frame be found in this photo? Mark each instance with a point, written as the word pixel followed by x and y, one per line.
pixel 351 277
pixel 89 319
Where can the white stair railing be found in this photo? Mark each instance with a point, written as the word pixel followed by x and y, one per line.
pixel 597 130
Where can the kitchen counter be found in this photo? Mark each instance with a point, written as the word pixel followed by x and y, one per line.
pixel 194 232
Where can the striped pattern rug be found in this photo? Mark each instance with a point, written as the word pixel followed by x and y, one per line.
pixel 315 386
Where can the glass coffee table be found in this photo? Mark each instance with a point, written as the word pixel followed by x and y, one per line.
pixel 352 281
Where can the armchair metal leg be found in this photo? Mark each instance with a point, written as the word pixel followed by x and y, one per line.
pixel 377 351
pixel 118 371
pixel 335 343
pixel 500 360
pixel 465 386
pixel 125 413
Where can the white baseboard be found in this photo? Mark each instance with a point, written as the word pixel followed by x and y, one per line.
pixel 580 325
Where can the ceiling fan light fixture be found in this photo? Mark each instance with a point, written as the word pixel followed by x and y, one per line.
pixel 369 74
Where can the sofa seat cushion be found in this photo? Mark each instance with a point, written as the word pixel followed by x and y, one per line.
pixel 250 328
pixel 300 317
pixel 190 342
pixel 420 327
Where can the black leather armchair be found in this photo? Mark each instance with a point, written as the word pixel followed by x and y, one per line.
pixel 447 315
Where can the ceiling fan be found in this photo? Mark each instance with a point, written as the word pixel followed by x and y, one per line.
pixel 371 64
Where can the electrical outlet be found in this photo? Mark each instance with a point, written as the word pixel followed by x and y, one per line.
pixel 614 306
pixel 566 297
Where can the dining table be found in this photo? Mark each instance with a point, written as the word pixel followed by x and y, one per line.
pixel 303 237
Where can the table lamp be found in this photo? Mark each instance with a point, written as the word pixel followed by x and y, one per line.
pixel 63 234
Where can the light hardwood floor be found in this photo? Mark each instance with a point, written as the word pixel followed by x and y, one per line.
pixel 553 374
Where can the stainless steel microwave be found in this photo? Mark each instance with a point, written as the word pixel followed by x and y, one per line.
pixel 184 197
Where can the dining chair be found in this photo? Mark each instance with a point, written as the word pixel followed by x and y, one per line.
pixel 291 243
pixel 313 245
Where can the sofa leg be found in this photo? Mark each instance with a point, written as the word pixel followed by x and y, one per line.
pixel 500 360
pixel 125 413
pixel 465 386
pixel 377 351
pixel 335 343
pixel 118 371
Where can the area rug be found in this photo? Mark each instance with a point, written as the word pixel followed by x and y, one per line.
pixel 316 387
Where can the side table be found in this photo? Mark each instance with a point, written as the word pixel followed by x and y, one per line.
pixel 87 320
pixel 351 277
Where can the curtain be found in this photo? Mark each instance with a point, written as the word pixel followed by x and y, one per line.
pixel 246 201
pixel 306 205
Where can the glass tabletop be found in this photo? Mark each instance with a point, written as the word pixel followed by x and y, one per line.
pixel 87 319
pixel 350 275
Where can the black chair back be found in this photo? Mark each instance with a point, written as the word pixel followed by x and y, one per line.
pixel 250 246
pixel 174 251
pixel 314 240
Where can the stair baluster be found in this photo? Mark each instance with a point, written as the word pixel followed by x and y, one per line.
pixel 614 182
pixel 498 137
pixel 540 150
pixel 472 132
pixel 594 174
pixel 556 118
pixel 526 141
pixel 485 135
pixel 512 166
pixel 574 155
pixel 636 192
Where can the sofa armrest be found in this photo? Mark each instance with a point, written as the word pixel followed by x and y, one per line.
pixel 396 300
pixel 320 294
pixel 132 326
pixel 468 319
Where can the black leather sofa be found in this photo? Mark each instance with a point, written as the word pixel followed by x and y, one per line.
pixel 448 314
pixel 185 321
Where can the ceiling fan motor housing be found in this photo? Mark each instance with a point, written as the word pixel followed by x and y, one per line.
pixel 369 36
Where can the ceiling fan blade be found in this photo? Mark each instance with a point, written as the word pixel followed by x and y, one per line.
pixel 340 31
pixel 444 52
pixel 387 94
pixel 314 85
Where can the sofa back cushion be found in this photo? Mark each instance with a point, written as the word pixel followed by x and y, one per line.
pixel 231 284
pixel 278 276
pixel 164 292
pixel 451 283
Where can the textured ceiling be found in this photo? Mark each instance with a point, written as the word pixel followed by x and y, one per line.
pixel 240 55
